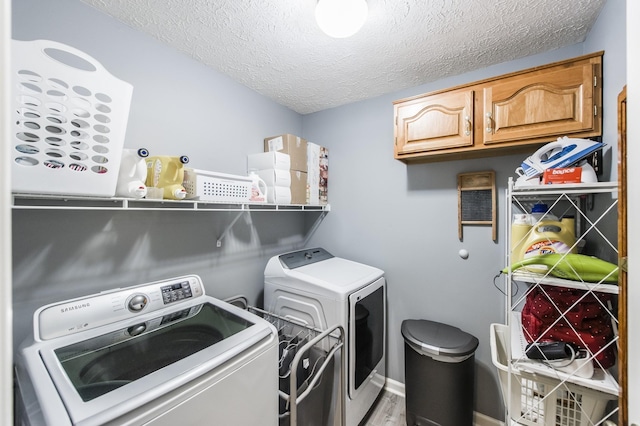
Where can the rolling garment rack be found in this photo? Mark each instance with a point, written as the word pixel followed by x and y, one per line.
pixel 307 371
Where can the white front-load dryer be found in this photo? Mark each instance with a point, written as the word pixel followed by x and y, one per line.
pixel 318 289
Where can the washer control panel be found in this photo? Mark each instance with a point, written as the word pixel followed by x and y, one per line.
pixel 176 292
pixel 85 313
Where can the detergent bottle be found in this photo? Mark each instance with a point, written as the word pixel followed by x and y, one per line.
pixel 167 172
pixel 540 211
pixel 258 188
pixel 132 174
pixel 550 236
pixel 520 228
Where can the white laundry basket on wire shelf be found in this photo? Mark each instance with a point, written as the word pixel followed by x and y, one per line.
pixel 537 400
pixel 70 117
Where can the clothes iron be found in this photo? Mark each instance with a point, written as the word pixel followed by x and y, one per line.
pixel 562 153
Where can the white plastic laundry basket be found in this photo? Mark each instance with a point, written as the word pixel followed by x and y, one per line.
pixel 70 118
pixel 537 400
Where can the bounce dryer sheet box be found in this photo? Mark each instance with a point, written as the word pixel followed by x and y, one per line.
pixel 562 175
pixel 268 160
pixel 293 145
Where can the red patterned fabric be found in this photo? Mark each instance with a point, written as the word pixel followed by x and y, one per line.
pixel 589 318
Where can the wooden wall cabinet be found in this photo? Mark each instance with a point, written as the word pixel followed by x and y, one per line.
pixel 436 122
pixel 503 115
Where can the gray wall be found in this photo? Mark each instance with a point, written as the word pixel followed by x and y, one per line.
pixel 403 218
pixel 400 218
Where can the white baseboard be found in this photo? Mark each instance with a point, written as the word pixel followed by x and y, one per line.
pixel 479 419
pixel 394 387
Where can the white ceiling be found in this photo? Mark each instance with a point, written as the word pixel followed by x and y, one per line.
pixel 276 48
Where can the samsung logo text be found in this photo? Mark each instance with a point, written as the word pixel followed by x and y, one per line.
pixel 74 307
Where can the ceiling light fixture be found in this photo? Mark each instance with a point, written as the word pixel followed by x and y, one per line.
pixel 341 18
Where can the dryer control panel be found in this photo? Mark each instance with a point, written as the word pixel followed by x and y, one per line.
pixel 300 258
pixel 85 313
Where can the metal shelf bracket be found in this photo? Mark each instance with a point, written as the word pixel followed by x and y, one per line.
pixel 228 228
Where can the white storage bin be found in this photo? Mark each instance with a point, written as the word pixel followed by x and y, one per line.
pixel 69 121
pixel 537 400
pixel 213 186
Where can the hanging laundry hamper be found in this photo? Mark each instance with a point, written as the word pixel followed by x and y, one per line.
pixel 309 393
pixel 69 121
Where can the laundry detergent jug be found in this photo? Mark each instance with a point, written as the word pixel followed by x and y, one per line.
pixel 167 172
pixel 258 188
pixel 550 236
pixel 520 229
pixel 133 174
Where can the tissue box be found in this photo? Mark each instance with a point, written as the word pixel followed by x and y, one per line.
pixel 268 160
pixel 279 194
pixel 275 177
pixel 294 146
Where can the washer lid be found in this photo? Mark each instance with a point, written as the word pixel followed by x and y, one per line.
pixel 435 338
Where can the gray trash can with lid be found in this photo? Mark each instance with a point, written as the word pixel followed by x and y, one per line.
pixel 439 374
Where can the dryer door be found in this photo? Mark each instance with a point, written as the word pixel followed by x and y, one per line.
pixel 367 318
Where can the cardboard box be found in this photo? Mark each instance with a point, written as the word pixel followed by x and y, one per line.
pixel 268 160
pixel 298 187
pixel 562 175
pixel 294 146
pixel 318 174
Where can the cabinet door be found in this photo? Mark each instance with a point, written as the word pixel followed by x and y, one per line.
pixel 434 122
pixel 546 103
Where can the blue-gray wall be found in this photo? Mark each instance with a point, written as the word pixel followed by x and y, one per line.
pixel 179 106
pixel 401 218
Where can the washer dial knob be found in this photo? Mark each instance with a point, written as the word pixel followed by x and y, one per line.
pixel 137 302
pixel 134 330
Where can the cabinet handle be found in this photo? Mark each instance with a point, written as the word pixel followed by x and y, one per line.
pixel 467 125
pixel 489 123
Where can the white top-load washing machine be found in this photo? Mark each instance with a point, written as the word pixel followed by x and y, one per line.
pixel 318 289
pixel 161 353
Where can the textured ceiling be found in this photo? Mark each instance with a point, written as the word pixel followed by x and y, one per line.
pixel 276 48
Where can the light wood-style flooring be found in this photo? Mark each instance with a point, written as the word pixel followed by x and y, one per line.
pixel 388 411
